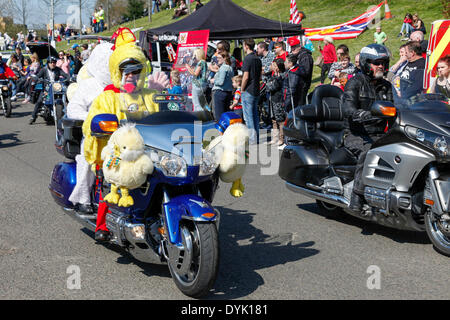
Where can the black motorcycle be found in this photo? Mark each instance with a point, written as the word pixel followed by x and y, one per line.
pixel 54 102
pixel 406 173
pixel 6 97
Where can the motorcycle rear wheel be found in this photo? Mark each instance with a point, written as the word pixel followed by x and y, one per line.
pixel 201 243
pixel 438 234
pixel 7 108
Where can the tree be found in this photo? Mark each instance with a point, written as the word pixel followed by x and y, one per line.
pixel 135 9
pixel 22 7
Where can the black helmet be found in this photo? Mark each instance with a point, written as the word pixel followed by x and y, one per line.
pixel 373 52
pixel 51 59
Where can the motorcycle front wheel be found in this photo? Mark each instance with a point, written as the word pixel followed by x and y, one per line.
pixel 194 267
pixel 438 231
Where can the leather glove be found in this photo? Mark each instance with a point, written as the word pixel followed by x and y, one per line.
pixel 361 115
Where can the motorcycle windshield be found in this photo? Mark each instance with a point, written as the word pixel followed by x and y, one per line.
pixel 175 129
pixel 428 111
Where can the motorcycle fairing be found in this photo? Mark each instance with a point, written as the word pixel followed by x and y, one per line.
pixel 381 170
pixel 190 207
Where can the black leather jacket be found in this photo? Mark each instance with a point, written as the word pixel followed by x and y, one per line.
pixel 306 64
pixel 359 93
pixel 59 74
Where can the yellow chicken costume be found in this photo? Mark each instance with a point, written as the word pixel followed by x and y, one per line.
pixel 114 100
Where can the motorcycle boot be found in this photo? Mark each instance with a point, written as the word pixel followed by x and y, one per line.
pixel 102 235
pixel 84 208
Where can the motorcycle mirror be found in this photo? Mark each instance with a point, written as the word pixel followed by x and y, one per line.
pixel 383 109
pixel 104 124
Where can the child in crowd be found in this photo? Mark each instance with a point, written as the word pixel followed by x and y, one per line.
pixel 343 66
pixel 175 83
pixel 343 78
pixel 236 106
pixel 277 113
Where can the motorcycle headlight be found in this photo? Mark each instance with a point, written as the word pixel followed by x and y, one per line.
pixel 171 165
pixel 57 87
pixel 209 162
pixel 5 88
pixel 439 143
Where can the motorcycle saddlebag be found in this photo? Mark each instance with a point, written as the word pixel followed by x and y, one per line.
pixel 62 183
pixel 302 164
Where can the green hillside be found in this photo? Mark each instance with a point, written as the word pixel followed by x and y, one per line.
pixel 321 13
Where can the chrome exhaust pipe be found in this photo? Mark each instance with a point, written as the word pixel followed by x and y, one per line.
pixel 333 199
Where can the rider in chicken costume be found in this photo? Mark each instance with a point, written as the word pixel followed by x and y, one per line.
pixel 127 66
pixel 88 86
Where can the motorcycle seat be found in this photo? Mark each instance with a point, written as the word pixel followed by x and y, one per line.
pixel 325 105
pixel 331 140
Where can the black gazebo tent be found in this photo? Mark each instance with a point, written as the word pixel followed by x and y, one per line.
pixel 226 20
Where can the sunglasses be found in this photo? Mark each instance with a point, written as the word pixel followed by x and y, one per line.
pixel 377 63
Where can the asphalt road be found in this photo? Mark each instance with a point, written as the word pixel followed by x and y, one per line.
pixel 274 244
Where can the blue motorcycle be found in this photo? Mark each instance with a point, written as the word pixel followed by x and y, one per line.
pixel 172 220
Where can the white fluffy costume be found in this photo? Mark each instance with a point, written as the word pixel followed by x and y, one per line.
pixel 88 88
pixel 232 153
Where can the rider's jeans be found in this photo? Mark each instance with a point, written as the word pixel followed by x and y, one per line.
pixel 13 87
pixel 37 105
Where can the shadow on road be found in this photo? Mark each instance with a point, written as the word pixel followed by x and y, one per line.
pixel 245 249
pixel 15 114
pixel 11 139
pixel 126 258
pixel 371 228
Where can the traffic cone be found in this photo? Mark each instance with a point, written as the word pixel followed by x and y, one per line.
pixel 387 11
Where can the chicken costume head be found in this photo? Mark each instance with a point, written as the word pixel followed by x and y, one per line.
pixel 125 93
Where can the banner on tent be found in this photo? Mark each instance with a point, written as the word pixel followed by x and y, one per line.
pixel 347 30
pixel 188 42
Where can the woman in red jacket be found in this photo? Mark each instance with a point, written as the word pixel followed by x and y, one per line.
pixel 329 57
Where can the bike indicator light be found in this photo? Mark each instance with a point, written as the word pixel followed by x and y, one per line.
pixel 108 126
pixel 388 111
pixel 209 215
pixel 429 202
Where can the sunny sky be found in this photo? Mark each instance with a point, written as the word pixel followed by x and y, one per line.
pixel 40 14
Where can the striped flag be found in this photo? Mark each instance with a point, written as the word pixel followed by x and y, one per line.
pixel 347 30
pixel 438 46
pixel 295 16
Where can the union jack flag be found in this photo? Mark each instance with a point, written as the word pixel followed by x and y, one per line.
pixel 347 30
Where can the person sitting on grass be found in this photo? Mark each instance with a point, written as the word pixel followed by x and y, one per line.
pixel 181 10
pixel 407 26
